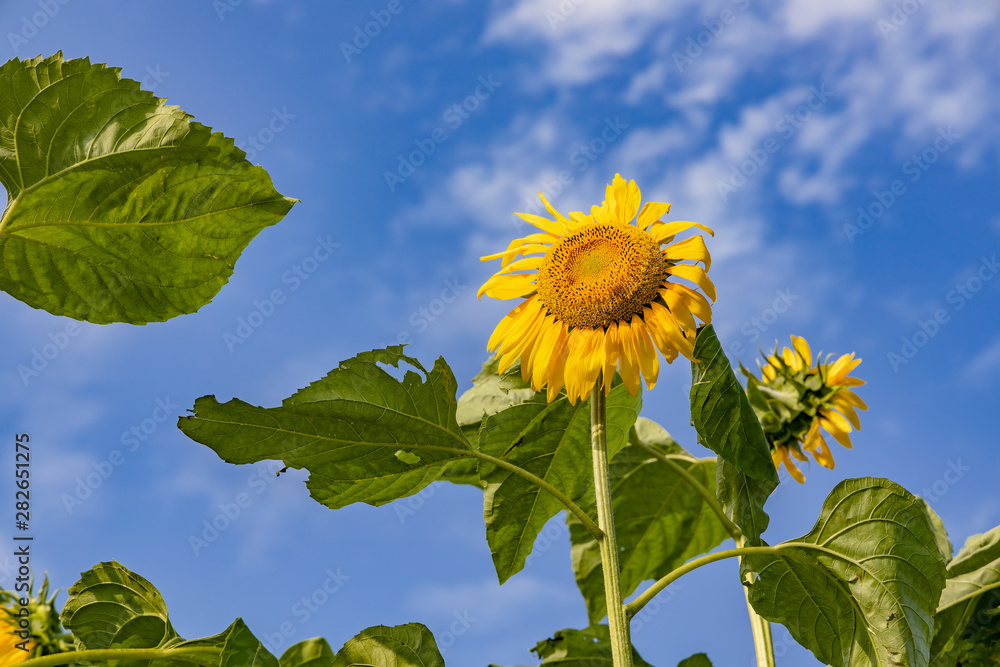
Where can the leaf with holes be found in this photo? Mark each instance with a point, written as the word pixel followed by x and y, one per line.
pixel 119 207
pixel 363 435
pixel 861 588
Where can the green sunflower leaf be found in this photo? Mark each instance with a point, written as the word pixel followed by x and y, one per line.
pixel 112 607
pixel 363 435
pixel 861 588
pixel 661 521
pixel 722 414
pixel 972 574
pixel 551 441
pixel 581 648
pixel 409 645
pixel 120 209
pixel 742 499
pixel 315 652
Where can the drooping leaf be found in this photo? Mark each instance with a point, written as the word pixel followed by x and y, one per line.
pixel 552 441
pixel 726 424
pixel 972 574
pixel 363 435
pixel 742 499
pixel 860 589
pixel 112 607
pixel 696 660
pixel 409 645
pixel 315 652
pixel 722 414
pixel 581 648
pixel 120 208
pixel 661 521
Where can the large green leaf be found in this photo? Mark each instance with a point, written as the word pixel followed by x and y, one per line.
pixel 661 521
pixel 552 441
pixel 696 660
pixel 120 209
pixel 722 414
pixel 581 648
pixel 973 573
pixel 112 607
pixel 409 645
pixel 861 588
pixel 315 652
pixel 363 435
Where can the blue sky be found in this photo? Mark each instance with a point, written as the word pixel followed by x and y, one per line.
pixel 845 153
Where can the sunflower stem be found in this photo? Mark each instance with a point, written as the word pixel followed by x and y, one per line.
pixel 621 644
pixel 762 643
pixel 204 655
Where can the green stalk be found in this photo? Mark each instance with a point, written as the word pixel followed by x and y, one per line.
pixel 203 655
pixel 621 644
pixel 761 635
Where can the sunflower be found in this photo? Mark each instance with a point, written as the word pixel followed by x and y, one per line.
pixel 599 294
pixel 796 401
pixel 10 654
pixel 47 635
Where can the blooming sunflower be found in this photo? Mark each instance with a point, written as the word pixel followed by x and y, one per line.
pixel 599 294
pixel 796 399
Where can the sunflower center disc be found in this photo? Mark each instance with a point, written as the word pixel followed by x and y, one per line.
pixel 601 274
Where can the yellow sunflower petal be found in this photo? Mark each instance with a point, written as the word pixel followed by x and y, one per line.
pixel 692 248
pixel 626 199
pixel 557 364
pixel 663 231
pixel 542 358
pixel 651 212
pixel 679 309
pixel 560 218
pixel 514 322
pixel 834 427
pixel 511 253
pixel 696 302
pixel 837 373
pixel 581 218
pixel 791 359
pixel 649 362
pixel 851 398
pixel 823 455
pixel 584 363
pixel 612 350
pixel 847 410
pixel 628 359
pixel 697 275
pixel 551 226
pixel 768 372
pixel 526 264
pixel 667 334
pixel 802 347
pixel 793 469
pixel 508 287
